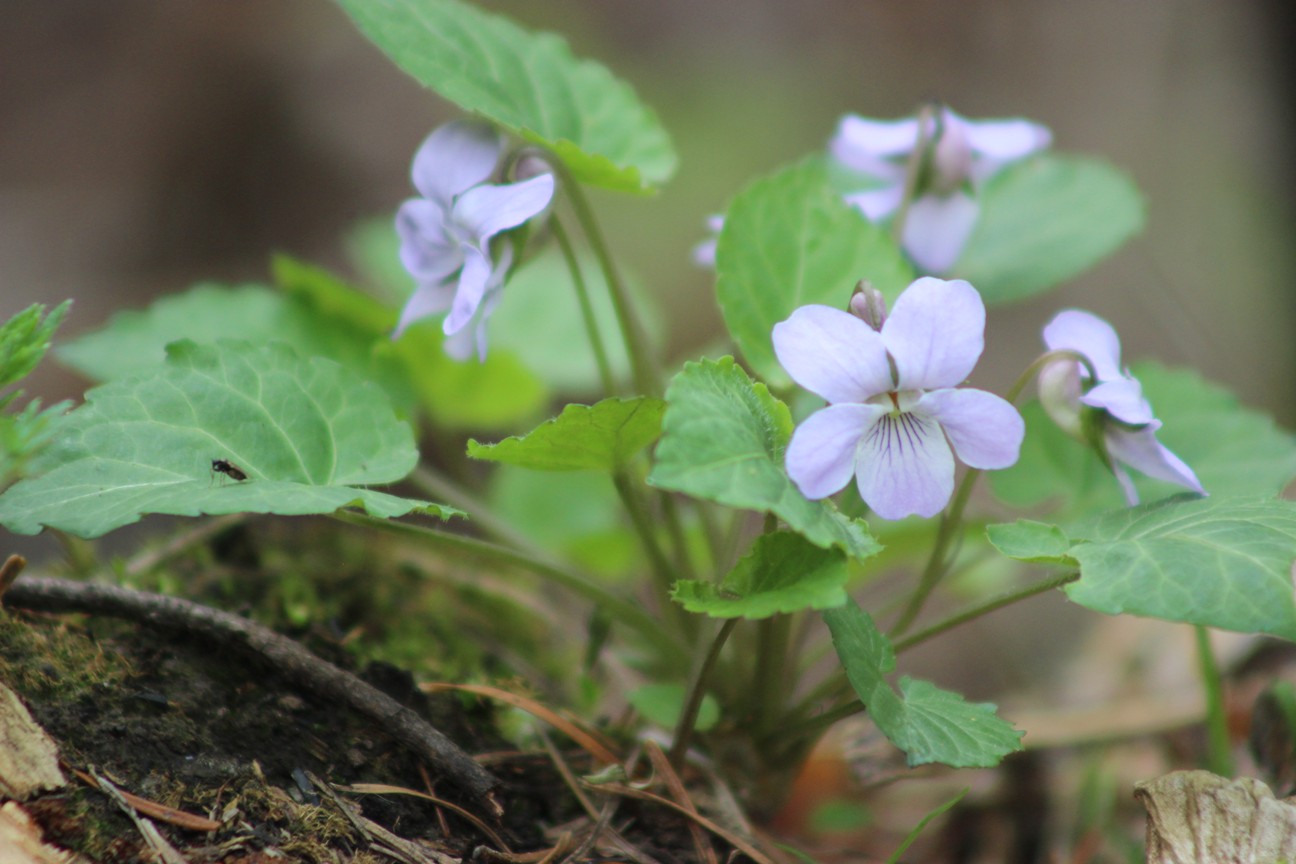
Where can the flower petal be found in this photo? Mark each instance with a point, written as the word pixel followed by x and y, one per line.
pixel 454 158
pixel 1140 449
pixel 1122 398
pixel 1005 140
pixel 937 228
pixel 486 210
pixel 473 283
pixel 986 431
pixel 1086 333
pixel 935 333
pixel 427 251
pixel 426 300
pixel 820 457
pixel 856 134
pixel 832 354
pixel 904 467
pixel 877 204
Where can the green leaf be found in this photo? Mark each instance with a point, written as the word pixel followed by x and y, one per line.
pixel 782 573
pixel 528 83
pixel 1223 563
pixel 604 436
pixel 25 338
pixel 24 434
pixel 723 439
pixel 1027 540
pixel 135 342
pixel 1045 220
pixel 789 240
pixel 1234 451
pixel 308 433
pixel 927 723
pixel 662 703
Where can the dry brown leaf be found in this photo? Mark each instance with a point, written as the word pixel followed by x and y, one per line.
pixel 28 758
pixel 1197 816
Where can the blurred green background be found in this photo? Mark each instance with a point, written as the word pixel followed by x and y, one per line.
pixel 147 145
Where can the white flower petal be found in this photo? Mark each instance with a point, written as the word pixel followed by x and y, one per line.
pixel 1006 140
pixel 1087 334
pixel 425 301
pixel 935 333
pixel 1123 399
pixel 1141 450
pixel 486 210
pixel 820 457
pixel 454 158
pixel 877 204
pixel 427 250
pixel 832 354
pixel 986 431
pixel 937 229
pixel 865 145
pixel 473 282
pixel 904 467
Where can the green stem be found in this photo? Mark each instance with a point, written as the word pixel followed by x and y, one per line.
pixel 697 691
pixel 1006 599
pixel 445 491
pixel 628 613
pixel 1043 360
pixel 918 160
pixel 647 377
pixel 838 683
pixel 767 682
pixel 664 575
pixel 586 308
pixel 939 561
pixel 1219 755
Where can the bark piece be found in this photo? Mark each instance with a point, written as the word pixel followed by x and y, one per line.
pixel 28 757
pixel 1196 816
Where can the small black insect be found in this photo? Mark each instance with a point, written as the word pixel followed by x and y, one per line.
pixel 229 469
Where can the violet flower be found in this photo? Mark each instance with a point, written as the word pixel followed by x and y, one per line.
pixel 962 155
pixel 1114 402
pixel 893 412
pixel 445 235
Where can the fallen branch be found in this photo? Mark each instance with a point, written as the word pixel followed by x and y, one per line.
pixel 283 654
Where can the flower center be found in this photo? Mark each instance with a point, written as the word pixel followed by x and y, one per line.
pixel 897 432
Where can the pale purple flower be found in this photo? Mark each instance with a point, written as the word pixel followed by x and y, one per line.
pixel 704 253
pixel 893 411
pixel 445 235
pixel 963 155
pixel 1125 417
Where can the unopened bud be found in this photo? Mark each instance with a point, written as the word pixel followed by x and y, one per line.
pixel 868 304
pixel 531 164
pixel 1059 394
pixel 951 161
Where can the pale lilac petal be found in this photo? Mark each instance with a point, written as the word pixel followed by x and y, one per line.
pixel 484 211
pixel 877 204
pixel 427 251
pixel 986 431
pixel 937 228
pixel 1087 334
pixel 832 354
pixel 1140 449
pixel 1059 394
pixel 704 253
pixel 856 134
pixel 1123 399
pixel 904 467
pixel 473 282
pixel 426 300
pixel 470 340
pixel 1005 140
pixel 935 333
pixel 820 457
pixel 454 158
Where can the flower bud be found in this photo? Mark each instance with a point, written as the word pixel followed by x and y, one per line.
pixel 951 160
pixel 531 164
pixel 1059 395
pixel 868 304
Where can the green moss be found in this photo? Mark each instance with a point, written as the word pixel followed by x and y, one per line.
pixel 53 660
